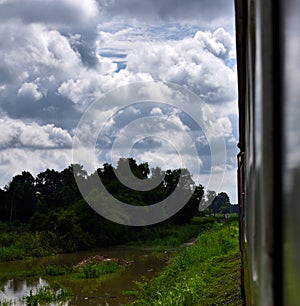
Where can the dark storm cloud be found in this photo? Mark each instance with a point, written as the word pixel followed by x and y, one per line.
pixel 66 12
pixel 52 108
pixel 201 10
pixel 87 54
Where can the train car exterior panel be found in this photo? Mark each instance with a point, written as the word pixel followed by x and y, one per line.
pixel 259 81
pixel 291 152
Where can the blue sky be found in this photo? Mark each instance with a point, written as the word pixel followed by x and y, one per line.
pixel 59 57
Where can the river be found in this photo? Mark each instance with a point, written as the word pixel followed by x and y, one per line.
pixel 89 291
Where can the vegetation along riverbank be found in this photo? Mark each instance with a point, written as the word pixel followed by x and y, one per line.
pixel 46 216
pixel 205 273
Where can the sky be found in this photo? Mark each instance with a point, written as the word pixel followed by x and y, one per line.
pixel 62 61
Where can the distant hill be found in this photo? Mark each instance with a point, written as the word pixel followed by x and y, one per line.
pixel 221 205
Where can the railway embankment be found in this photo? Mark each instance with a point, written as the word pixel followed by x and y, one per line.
pixel 203 273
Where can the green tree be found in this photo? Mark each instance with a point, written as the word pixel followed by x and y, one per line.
pixel 4 206
pixel 48 185
pixel 22 197
pixel 221 204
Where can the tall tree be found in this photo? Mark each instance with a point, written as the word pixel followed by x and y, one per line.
pixel 22 197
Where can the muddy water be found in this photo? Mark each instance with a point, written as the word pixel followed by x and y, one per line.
pixel 86 292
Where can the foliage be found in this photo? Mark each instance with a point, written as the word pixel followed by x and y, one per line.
pixel 19 243
pixel 4 302
pixel 201 274
pixel 55 270
pixel 168 236
pixel 47 214
pixel 46 295
pixel 221 204
pixel 96 270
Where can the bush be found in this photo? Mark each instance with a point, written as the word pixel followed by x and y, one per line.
pixel 97 270
pixel 46 295
pixel 201 272
pixel 11 253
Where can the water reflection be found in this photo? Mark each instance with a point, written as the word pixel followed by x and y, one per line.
pixel 15 290
pixel 109 291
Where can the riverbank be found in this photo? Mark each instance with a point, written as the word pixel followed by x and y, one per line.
pixel 206 273
pixel 168 268
pixel 25 275
pixel 18 243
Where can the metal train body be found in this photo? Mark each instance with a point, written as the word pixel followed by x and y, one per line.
pixel 268 60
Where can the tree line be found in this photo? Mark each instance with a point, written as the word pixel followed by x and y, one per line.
pixel 52 204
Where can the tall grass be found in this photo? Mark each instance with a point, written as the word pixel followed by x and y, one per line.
pixel 162 237
pixel 46 295
pixel 97 270
pixel 11 253
pixel 198 274
pixel 22 245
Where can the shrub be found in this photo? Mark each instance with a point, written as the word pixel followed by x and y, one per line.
pixel 96 270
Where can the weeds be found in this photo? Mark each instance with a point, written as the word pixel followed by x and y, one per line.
pixel 96 270
pixel 22 245
pixel 204 273
pixel 55 270
pixel 159 238
pixel 46 295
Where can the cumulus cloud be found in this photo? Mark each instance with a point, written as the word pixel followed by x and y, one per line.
pixel 89 87
pixel 156 111
pixel 210 13
pixel 30 90
pixel 61 56
pixel 34 61
pixel 15 160
pixel 18 134
pixel 48 11
pixel 198 63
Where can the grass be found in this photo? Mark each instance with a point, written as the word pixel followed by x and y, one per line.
pixel 19 243
pixel 203 274
pixel 97 270
pixel 160 238
pixel 92 270
pixel 46 295
pixel 4 302
pixel 16 245
pixel 11 253
pixel 57 275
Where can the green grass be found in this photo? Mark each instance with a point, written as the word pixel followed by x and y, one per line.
pixel 46 295
pixel 11 253
pixel 96 270
pixel 164 237
pixel 88 271
pixel 203 274
pixel 4 302
pixel 18 243
pixel 15 245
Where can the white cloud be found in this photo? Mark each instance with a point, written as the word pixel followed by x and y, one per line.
pixel 30 90
pixel 91 86
pixel 14 161
pixel 198 63
pixel 35 52
pixel 156 111
pixel 18 134
pixel 54 53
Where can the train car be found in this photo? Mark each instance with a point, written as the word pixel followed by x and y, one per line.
pixel 268 60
